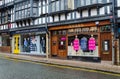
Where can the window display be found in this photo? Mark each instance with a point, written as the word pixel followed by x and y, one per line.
pixel 33 44
pixel 83 45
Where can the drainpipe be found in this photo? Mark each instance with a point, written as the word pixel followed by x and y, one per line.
pixel 114 32
pixel 47 38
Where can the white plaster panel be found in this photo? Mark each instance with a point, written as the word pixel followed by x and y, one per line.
pixel 68 16
pixel 50 19
pixel 108 9
pixel 118 12
pixel 77 15
pixel 118 2
pixel 102 11
pixel 43 19
pixel 56 18
pixel 62 17
pixel 85 13
pixel 93 12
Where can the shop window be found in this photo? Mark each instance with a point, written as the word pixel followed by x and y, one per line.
pixel 62 32
pixel 5 41
pixel 54 33
pixel 83 45
pixel 106 28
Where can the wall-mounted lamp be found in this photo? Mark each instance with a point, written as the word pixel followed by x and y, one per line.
pixel 97 23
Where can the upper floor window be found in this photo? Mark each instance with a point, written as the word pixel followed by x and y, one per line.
pixel 26 9
pixel 88 2
pixel 58 5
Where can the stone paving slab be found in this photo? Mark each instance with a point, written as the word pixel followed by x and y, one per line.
pixel 90 65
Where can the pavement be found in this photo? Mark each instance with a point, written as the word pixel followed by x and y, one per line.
pixel 102 66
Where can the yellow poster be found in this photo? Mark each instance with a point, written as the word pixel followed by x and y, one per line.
pixel 16 44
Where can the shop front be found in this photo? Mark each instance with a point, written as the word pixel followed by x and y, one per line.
pixel 31 41
pixel 84 41
pixel 5 43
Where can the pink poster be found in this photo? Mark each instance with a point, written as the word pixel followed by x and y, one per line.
pixel 91 44
pixel 76 44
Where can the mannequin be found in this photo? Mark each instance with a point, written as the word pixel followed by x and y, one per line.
pixel 43 44
pixel 92 43
pixel 76 43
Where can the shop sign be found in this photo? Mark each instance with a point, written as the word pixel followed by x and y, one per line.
pixel 86 29
pixel 63 38
pixel 41 30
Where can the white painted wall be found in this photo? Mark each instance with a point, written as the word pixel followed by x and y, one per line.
pixel 73 15
pixel 36 21
pixel 50 19
pixel 77 15
pixel 56 18
pixel 102 11
pixel 68 16
pixel 39 11
pixel 93 12
pixel 85 13
pixel 108 1
pixel 43 20
pixel 118 3
pixel 62 17
pixel 44 10
pixel 39 20
pixel 108 9
pixel 118 12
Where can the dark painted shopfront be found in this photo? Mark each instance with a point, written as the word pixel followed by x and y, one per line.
pixel 85 41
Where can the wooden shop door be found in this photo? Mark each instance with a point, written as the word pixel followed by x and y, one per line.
pixel 58 46
pixel 62 46
pixel 54 46
pixel 106 46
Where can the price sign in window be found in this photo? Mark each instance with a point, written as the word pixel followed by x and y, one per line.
pixel 105 45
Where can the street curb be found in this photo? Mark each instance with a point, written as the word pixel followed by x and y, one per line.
pixel 43 60
pixel 47 62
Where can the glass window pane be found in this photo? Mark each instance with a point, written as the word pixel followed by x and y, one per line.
pixel 88 2
pixel 28 3
pixel 100 1
pixel 34 4
pixel 94 1
pixel 57 6
pixel 34 11
pixel 62 4
pixel 25 13
pixel 28 13
pixel 44 1
pixel 53 7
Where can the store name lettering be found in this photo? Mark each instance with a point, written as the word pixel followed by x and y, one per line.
pixel 26 31
pixel 91 29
